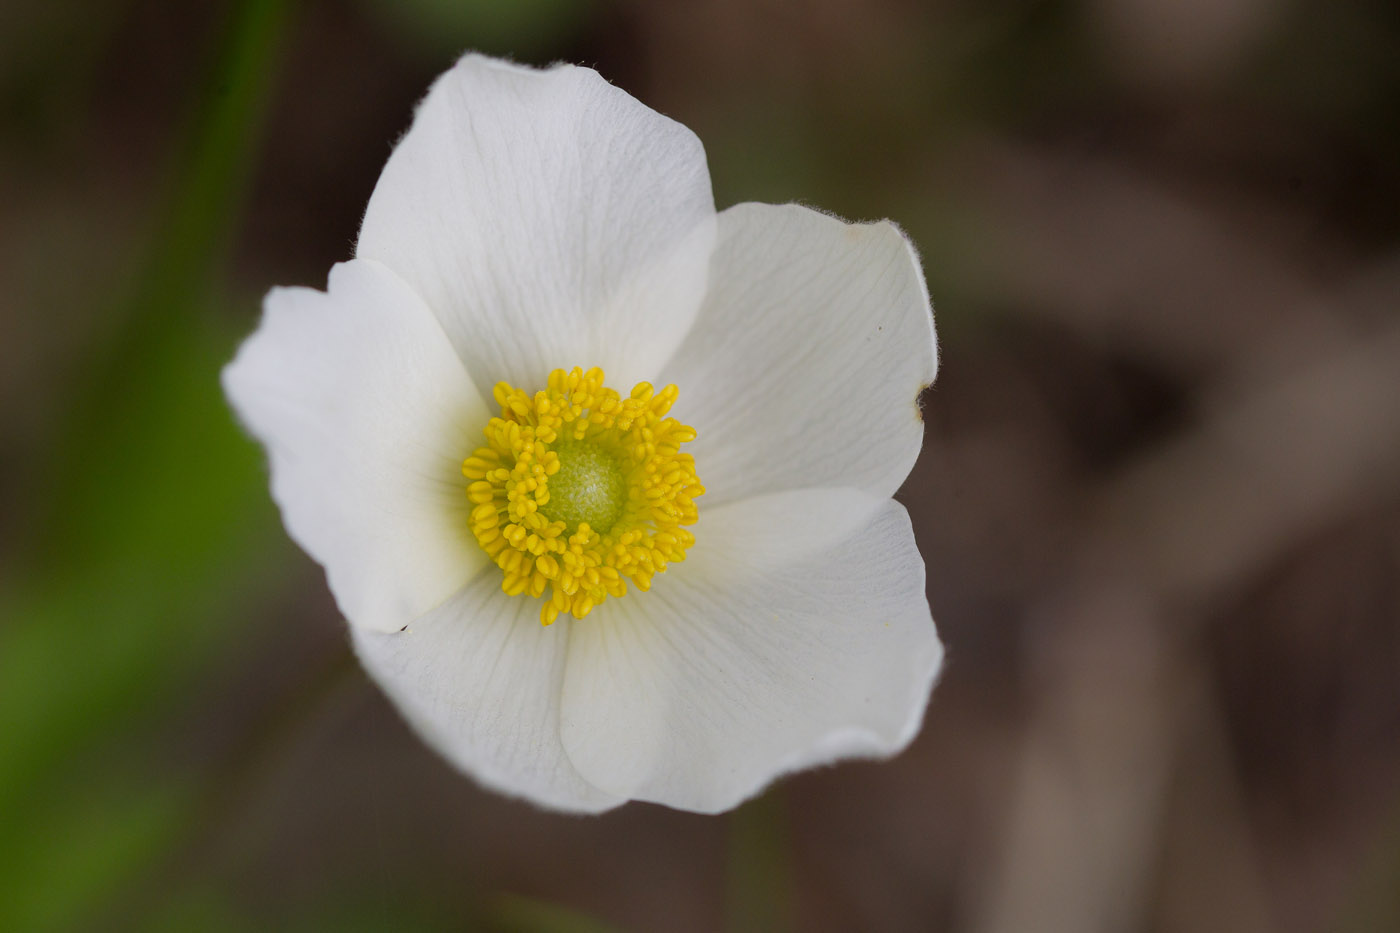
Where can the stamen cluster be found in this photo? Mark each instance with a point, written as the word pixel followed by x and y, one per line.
pixel 580 565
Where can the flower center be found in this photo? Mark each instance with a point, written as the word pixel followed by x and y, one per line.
pixel 579 490
pixel 590 488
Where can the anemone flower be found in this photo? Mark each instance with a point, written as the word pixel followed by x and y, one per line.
pixel 529 563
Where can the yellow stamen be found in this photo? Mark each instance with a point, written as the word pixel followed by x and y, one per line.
pixel 579 490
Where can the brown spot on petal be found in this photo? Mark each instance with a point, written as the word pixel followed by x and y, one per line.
pixel 919 400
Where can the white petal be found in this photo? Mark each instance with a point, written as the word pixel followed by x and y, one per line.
pixel 796 632
pixel 367 415
pixel 479 678
pixel 549 219
pixel 807 358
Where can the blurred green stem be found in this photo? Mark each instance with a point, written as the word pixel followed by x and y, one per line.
pixel 144 523
pixel 163 309
pixel 758 875
pixel 210 187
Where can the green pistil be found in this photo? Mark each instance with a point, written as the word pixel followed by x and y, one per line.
pixel 589 487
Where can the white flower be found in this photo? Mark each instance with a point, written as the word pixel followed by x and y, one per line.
pixel 534 221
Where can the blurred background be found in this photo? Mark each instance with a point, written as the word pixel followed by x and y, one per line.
pixel 1159 498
